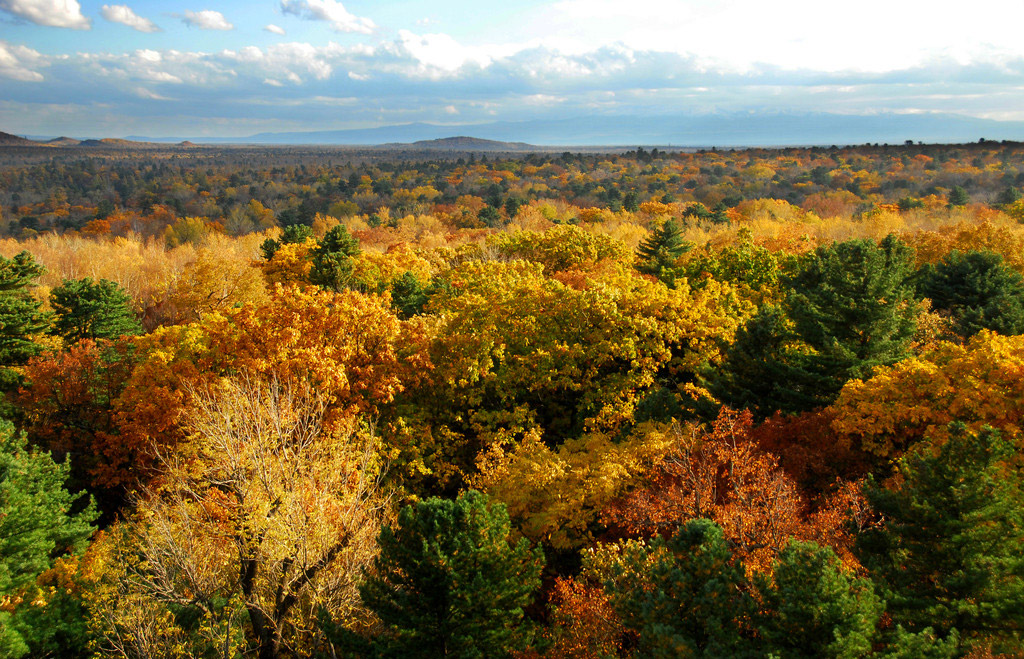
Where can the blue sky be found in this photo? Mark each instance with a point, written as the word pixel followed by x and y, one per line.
pixel 141 67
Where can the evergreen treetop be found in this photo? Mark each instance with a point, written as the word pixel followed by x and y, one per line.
pixel 448 583
pixel 950 552
pixel 20 315
pixel 84 309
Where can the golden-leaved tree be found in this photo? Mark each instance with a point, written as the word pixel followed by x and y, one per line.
pixel 555 495
pixel 516 351
pixel 980 383
pixel 349 346
pixel 262 517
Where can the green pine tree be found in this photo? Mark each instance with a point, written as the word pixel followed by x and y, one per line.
pixel 977 290
pixel 1008 196
pixel 811 606
pixel 850 307
pixel 332 259
pixel 84 309
pixel 408 296
pixel 291 234
pixel 950 552
pixel 36 524
pixel 658 254
pixel 958 197
pixel 924 644
pixel 686 596
pixel 20 317
pixel 764 368
pixel 853 304
pixel 448 583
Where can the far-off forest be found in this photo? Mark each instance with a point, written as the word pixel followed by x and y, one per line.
pixel 291 403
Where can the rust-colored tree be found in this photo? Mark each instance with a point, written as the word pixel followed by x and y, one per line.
pixel 721 474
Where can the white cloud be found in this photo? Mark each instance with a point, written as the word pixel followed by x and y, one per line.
pixel 20 62
pixel 439 53
pixel 330 11
pixel 425 77
pixel 543 99
pixel 123 14
pixel 274 29
pixel 792 34
pixel 295 62
pixel 52 13
pixel 207 20
pixel 147 94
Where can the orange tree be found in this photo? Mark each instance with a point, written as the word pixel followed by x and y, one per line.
pixel 350 346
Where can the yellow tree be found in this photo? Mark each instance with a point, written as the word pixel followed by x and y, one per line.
pixel 260 519
pixel 515 351
pixel 555 495
pixel 979 383
pixel 217 280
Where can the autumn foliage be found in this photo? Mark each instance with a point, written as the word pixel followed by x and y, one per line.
pixel 694 383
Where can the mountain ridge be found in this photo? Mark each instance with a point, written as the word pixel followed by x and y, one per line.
pixel 724 130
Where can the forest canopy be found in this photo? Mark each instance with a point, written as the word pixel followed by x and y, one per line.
pixel 742 403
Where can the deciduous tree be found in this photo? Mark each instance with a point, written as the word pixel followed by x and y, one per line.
pixel 261 520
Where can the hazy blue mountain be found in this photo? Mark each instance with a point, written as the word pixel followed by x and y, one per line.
pixel 723 130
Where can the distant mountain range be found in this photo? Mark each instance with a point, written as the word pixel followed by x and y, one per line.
pixel 6 139
pixel 705 130
pixel 727 130
pixel 460 143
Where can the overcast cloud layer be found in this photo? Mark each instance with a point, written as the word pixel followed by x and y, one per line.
pixel 248 67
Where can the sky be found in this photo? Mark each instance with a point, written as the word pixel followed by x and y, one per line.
pixel 236 68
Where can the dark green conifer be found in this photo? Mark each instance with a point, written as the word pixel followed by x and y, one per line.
pixel 20 317
pixel 763 369
pixel 36 525
pixel 332 259
pixel 977 290
pixel 658 254
pixel 87 310
pixel 291 234
pixel 853 303
pixel 408 296
pixel 686 596
pixel 812 607
pixel 1008 196
pixel 448 583
pixel 849 309
pixel 950 551
pixel 958 197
